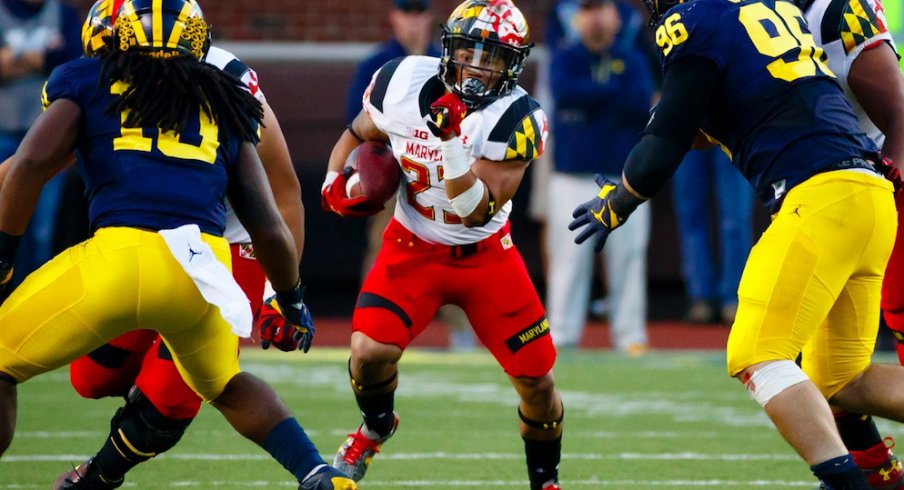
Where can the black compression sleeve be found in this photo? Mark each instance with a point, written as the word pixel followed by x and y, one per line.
pixel 686 95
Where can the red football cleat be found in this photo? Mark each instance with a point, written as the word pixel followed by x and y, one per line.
pixel 356 452
pixel 881 467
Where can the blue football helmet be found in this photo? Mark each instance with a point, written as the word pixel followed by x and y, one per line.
pixel 658 8
pixel 97 30
pixel 162 28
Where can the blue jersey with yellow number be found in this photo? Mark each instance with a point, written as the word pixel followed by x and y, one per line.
pixel 777 109
pixel 143 177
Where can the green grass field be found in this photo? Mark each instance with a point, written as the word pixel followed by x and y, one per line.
pixel 668 420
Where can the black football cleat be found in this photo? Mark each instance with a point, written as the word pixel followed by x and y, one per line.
pixel 84 477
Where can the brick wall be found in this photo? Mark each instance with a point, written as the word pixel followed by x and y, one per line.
pixel 321 20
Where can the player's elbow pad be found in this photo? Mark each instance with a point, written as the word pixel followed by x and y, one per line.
pixel 651 164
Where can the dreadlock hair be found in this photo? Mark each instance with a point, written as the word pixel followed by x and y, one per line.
pixel 165 90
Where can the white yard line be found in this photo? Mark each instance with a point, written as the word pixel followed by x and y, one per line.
pixel 685 456
pixel 594 483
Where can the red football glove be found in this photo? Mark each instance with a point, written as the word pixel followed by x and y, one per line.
pixel 446 115
pixel 334 198
pixel 275 329
pixel 891 172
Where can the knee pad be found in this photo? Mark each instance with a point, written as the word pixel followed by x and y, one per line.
pixel 772 379
pixel 361 388
pixel 139 431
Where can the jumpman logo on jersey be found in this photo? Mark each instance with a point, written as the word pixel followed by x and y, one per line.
pixel 192 253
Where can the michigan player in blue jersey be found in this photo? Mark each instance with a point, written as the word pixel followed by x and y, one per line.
pixel 748 74
pixel 164 139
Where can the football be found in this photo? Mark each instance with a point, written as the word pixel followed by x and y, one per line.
pixel 376 176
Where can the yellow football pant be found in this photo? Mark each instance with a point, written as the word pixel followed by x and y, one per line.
pixel 815 277
pixel 122 279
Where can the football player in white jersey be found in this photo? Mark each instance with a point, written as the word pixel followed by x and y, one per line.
pixel 854 36
pixel 136 365
pixel 464 133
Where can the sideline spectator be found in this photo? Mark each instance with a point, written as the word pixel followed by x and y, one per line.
pixel 602 90
pixel 704 184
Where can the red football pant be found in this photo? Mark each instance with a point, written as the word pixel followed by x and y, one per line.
pixel 892 287
pixel 411 278
pixel 139 357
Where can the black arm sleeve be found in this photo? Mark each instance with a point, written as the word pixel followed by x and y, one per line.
pixel 686 96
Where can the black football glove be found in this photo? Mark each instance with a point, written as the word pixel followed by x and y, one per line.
pixel 604 213
pixel 291 306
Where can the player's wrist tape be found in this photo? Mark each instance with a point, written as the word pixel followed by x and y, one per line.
pixel 455 161
pixel 329 179
pixel 465 203
pixel 8 246
pixel 772 379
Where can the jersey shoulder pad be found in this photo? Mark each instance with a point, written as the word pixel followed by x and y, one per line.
pixel 231 65
pixel 522 127
pixel 854 22
pixel 70 80
pixel 379 84
pixel 398 89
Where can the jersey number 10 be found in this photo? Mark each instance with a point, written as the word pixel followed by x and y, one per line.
pixel 169 142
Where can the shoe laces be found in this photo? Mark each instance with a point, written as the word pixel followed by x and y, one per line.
pixel 360 443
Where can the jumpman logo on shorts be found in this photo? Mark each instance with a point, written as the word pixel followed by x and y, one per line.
pixel 192 253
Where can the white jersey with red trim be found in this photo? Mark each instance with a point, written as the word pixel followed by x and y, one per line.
pixel 844 29
pixel 229 63
pixel 513 127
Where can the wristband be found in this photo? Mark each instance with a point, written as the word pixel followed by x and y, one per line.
pixel 465 203
pixel 455 161
pixel 290 297
pixel 329 179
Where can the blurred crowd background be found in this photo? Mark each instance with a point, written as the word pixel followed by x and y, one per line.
pixel 307 54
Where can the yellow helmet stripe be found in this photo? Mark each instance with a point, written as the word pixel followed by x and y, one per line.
pixel 178 27
pixel 129 14
pixel 157 23
pixel 471 12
